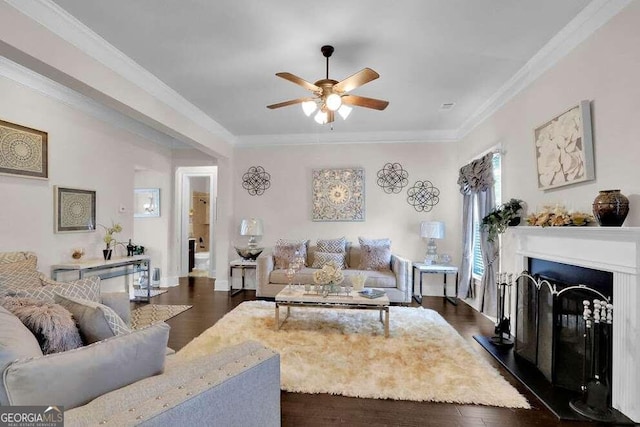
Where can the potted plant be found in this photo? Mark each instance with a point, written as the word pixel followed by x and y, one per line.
pixel 109 240
pixel 497 221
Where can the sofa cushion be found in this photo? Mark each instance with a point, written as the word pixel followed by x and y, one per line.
pixel 51 324
pixel 304 276
pixel 16 342
pixel 285 252
pixel 76 377
pixel 375 254
pixel 10 257
pixel 95 321
pixel 320 259
pixel 375 279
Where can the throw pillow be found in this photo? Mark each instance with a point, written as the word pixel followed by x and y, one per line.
pixel 286 251
pixel 87 288
pixel 12 283
pixel 322 258
pixel 76 377
pixel 95 321
pixel 375 254
pixel 51 324
pixel 16 342
pixel 26 265
pixel 332 245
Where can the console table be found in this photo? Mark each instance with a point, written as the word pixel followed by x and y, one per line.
pixel 130 265
pixel 443 269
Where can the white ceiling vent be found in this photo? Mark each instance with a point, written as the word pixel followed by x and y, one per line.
pixel 447 106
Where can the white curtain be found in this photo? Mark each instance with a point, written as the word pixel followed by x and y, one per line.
pixel 476 186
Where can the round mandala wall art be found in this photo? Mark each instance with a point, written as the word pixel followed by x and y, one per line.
pixel 423 196
pixel 256 180
pixel 392 178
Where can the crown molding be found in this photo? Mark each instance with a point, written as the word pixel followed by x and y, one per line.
pixel 67 96
pixel 348 138
pixel 60 22
pixel 590 19
pixel 63 24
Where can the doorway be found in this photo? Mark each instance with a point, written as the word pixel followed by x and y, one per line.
pixel 196 190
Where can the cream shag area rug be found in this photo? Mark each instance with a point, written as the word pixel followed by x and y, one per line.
pixel 345 352
pixel 154 313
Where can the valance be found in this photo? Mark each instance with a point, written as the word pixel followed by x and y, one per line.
pixel 476 176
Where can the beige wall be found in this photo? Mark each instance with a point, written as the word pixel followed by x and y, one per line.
pixel 286 206
pixel 84 153
pixel 604 69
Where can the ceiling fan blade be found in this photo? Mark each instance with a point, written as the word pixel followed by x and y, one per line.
pixel 287 103
pixel 299 81
pixel 358 79
pixel 361 101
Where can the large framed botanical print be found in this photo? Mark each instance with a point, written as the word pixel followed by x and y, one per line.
pixel 338 194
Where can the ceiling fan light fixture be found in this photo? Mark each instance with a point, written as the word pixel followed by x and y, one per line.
pixel 333 102
pixel 309 107
pixel 344 111
pixel 321 117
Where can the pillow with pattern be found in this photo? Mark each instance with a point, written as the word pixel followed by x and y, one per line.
pixel 285 252
pixel 322 258
pixel 375 254
pixel 95 321
pixel 23 266
pixel 13 283
pixel 332 245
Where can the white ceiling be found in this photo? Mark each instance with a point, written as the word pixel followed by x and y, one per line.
pixel 222 55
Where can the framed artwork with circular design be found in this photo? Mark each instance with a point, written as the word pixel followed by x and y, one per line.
pixel 338 194
pixel 74 210
pixel 23 151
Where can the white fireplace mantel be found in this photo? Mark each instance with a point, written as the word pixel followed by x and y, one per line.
pixel 613 249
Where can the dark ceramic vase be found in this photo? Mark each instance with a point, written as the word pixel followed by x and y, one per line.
pixel 107 253
pixel 610 208
pixel 514 221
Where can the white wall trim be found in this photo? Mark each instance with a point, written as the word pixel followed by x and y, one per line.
pixel 221 285
pixel 63 24
pixel 73 99
pixel 592 17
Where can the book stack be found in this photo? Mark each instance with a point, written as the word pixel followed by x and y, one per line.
pixel 371 293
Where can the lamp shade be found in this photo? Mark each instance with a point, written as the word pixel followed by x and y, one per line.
pixel 432 229
pixel 251 227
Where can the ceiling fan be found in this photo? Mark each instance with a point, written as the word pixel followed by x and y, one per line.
pixel 330 95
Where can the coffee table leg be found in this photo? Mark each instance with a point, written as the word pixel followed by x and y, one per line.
pixel 386 322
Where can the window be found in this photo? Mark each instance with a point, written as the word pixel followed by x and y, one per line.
pixel 477 267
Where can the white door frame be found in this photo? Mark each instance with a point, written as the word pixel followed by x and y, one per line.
pixel 182 215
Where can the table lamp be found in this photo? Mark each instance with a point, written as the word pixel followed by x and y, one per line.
pixel 431 230
pixel 253 228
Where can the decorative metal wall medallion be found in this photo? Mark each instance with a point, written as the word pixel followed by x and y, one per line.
pixel 423 196
pixel 392 178
pixel 256 180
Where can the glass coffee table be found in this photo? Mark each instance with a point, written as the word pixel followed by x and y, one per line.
pixel 289 297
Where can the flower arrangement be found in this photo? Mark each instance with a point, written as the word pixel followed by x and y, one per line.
pixel 558 216
pixel 108 238
pixel 329 274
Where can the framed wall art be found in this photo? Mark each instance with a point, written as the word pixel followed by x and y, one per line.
pixel 146 202
pixel 338 194
pixel 23 151
pixel 564 148
pixel 74 210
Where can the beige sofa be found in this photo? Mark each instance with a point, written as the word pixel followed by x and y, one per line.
pixel 128 379
pixel 397 282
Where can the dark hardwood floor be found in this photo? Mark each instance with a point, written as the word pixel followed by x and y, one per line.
pixel 323 410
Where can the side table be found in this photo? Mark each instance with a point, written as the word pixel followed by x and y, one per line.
pixel 242 265
pixel 423 268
